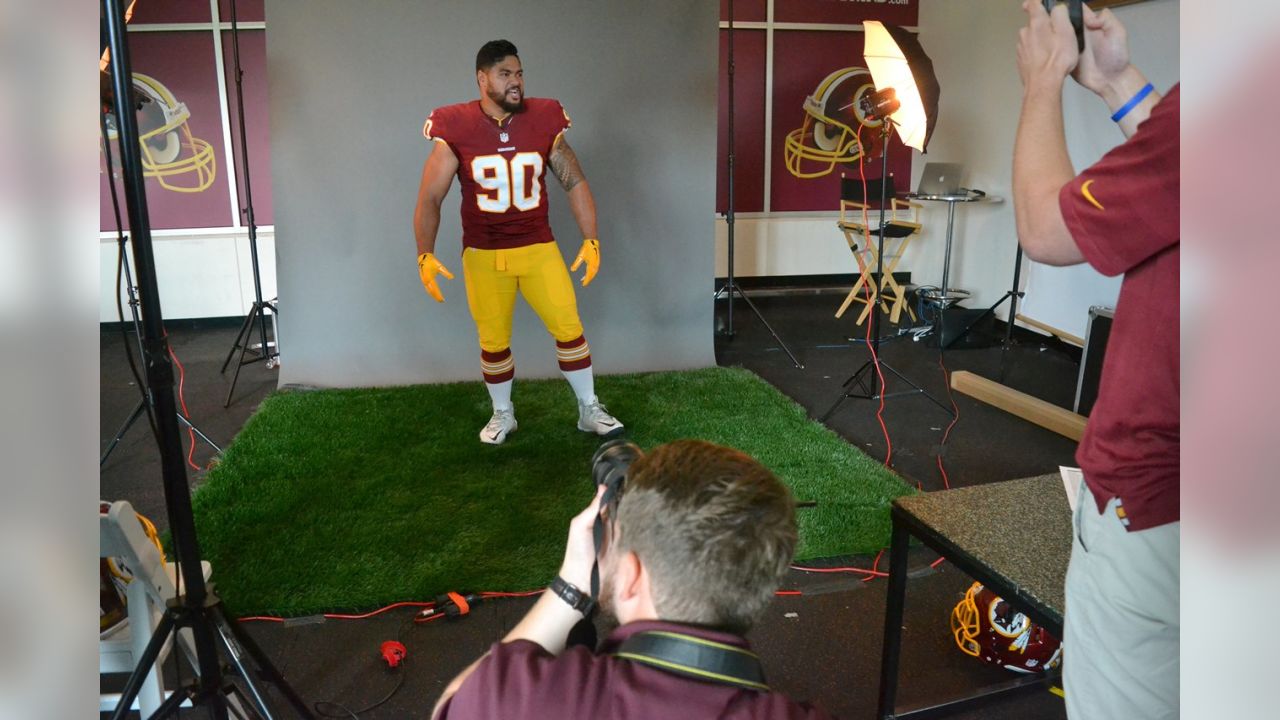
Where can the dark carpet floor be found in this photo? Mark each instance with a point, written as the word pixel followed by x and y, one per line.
pixel 823 646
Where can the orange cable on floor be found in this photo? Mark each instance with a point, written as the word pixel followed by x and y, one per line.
pixel 182 400
pixel 392 606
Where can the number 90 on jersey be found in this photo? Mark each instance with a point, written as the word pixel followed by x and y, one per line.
pixel 506 183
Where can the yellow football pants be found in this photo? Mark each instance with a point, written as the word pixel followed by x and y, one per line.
pixel 537 272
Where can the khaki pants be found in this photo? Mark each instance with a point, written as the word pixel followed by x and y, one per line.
pixel 1120 656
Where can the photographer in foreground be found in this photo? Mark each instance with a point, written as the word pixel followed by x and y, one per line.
pixel 695 540
pixel 1121 216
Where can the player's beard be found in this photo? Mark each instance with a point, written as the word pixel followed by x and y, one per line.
pixel 507 105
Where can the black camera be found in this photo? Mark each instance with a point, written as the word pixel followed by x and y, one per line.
pixel 609 467
pixel 1075 11
pixel 610 462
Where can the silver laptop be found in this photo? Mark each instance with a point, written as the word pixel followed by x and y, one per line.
pixel 941 179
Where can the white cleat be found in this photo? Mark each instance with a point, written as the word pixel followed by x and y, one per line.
pixel 593 418
pixel 502 424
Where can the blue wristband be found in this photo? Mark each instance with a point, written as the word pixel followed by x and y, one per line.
pixel 1139 97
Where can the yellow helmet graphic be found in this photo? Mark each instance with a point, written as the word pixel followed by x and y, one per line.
pixel 829 135
pixel 178 160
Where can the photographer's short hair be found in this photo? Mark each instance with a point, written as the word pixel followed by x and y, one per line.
pixel 492 53
pixel 715 528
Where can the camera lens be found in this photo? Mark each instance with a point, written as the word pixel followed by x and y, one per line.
pixel 611 460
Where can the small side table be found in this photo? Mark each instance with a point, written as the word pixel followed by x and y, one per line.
pixel 946 296
pixel 1013 537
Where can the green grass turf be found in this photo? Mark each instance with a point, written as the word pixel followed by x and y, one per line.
pixel 344 499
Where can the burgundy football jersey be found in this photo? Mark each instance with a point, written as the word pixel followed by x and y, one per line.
pixel 1123 213
pixel 501 168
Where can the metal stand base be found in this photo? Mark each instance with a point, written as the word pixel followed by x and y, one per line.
pixel 146 392
pixel 1013 295
pixel 731 287
pixel 240 652
pixel 859 378
pixel 133 417
pixel 864 381
pixel 1008 330
pixel 256 314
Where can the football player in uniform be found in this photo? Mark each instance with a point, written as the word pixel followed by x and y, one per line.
pixel 500 148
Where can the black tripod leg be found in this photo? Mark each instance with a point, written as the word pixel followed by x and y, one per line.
pixel 768 327
pixel 726 290
pixel 235 654
pixel 242 338
pixel 1015 293
pixel 133 417
pixel 839 401
pixel 210 668
pixel 866 369
pixel 855 378
pixel 919 389
pixel 238 644
pixel 198 432
pixel 171 704
pixel 728 329
pixel 139 675
pixel 257 312
pixel 1004 350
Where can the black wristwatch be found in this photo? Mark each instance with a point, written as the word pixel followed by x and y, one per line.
pixel 577 599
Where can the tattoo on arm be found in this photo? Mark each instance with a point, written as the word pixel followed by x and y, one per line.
pixel 564 163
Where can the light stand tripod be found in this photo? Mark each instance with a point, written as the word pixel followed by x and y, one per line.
pixel 1013 295
pixel 133 310
pixel 731 286
pixel 258 313
pixel 196 607
pixel 874 366
pixel 146 392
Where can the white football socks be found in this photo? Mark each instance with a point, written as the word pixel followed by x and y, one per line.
pixel 500 394
pixel 583 384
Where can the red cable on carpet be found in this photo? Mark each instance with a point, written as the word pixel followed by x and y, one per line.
pixel 182 400
pixel 875 357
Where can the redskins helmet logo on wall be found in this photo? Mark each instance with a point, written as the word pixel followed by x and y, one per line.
pixel 829 135
pixel 178 160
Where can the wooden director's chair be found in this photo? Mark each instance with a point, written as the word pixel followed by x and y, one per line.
pixel 897 237
pixel 152 582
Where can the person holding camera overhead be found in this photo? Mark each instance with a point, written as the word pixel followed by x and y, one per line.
pixel 500 148
pixel 1120 215
pixel 694 538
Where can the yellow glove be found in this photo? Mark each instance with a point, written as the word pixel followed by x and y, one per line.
pixel 590 254
pixel 428 267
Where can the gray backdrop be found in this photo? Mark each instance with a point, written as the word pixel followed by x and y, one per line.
pixel 352 82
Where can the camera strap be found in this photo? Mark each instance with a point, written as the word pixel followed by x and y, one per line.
pixel 607 500
pixel 696 658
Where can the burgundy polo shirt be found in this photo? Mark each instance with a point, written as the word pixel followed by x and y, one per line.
pixel 1123 214
pixel 521 680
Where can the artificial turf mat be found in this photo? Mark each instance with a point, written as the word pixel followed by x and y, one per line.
pixel 345 499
